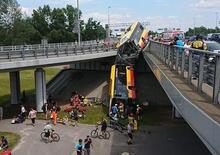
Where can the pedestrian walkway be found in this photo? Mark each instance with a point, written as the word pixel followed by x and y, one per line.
pixel 161 140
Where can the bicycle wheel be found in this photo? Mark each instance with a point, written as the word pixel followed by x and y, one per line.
pixel 43 136
pixel 55 137
pixel 106 135
pixel 94 133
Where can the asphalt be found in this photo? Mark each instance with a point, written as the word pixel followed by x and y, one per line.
pixel 173 139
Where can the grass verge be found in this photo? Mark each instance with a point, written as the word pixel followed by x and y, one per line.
pixel 12 138
pixel 93 114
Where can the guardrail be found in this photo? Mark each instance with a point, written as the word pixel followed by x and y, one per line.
pixel 53 50
pixel 39 46
pixel 191 64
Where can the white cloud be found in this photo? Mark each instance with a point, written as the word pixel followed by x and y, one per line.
pixel 27 11
pixel 103 17
pixel 207 4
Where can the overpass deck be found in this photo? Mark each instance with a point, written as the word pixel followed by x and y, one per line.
pixel 200 100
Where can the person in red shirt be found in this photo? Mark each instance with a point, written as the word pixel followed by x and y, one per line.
pixel 7 152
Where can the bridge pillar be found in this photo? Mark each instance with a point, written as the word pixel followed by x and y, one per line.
pixel 175 113
pixel 40 86
pixel 15 87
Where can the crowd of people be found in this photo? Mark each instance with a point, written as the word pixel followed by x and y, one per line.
pixel 132 113
pixel 197 42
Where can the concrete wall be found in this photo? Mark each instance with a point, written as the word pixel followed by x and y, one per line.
pixel 94 65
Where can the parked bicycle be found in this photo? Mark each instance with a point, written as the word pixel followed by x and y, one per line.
pixel 54 136
pixel 102 135
pixel 116 125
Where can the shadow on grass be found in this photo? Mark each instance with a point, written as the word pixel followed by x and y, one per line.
pixel 10 110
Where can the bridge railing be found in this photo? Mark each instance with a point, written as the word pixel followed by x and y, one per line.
pixel 192 64
pixel 53 50
pixel 39 46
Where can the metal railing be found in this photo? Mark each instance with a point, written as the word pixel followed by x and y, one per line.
pixel 191 64
pixel 39 46
pixel 52 50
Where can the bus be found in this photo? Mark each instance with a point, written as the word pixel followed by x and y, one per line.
pixel 122 85
pixel 132 40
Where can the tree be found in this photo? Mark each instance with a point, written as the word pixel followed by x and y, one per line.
pixel 202 31
pixel 93 30
pixel 71 15
pixel 22 33
pixel 41 19
pixel 9 12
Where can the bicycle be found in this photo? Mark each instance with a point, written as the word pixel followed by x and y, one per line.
pixel 115 125
pixel 95 133
pixel 54 136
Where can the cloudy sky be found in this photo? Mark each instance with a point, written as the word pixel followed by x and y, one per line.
pixel 160 13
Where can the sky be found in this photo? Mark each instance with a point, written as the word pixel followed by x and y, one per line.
pixel 159 13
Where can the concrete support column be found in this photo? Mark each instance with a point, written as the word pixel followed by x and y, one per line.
pixel 40 86
pixel 175 113
pixel 15 87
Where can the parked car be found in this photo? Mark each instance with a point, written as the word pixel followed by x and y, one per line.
pixel 213 47
pixel 215 37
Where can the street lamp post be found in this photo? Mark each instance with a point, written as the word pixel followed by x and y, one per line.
pixel 78 23
pixel 108 24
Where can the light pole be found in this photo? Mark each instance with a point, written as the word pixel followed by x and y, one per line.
pixel 78 22
pixel 108 24
pixel 194 25
pixel 216 21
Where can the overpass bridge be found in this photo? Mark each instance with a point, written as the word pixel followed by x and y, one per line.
pixel 192 85
pixel 16 58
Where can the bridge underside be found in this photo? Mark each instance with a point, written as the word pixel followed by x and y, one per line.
pixel 196 109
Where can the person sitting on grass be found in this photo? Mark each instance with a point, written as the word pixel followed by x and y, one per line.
pixel 18 119
pixel 4 143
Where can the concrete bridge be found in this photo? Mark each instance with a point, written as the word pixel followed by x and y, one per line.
pixel 192 85
pixel 189 80
pixel 88 55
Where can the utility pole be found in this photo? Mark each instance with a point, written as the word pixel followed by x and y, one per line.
pixel 216 21
pixel 78 23
pixel 109 24
pixel 194 25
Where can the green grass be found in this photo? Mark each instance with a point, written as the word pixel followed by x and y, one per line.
pixel 93 114
pixel 27 82
pixel 12 138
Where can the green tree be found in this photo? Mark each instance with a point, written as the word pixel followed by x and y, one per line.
pixel 202 31
pixel 22 33
pixel 93 30
pixel 71 15
pixel 58 19
pixel 9 12
pixel 41 19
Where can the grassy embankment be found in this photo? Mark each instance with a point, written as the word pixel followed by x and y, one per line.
pixel 27 83
pixel 12 138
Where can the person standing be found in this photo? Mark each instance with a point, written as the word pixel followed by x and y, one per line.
pixel 115 109
pixel 45 109
pixel 54 116
pixel 23 111
pixel 130 135
pixel 32 115
pixel 79 147
pixel 87 144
